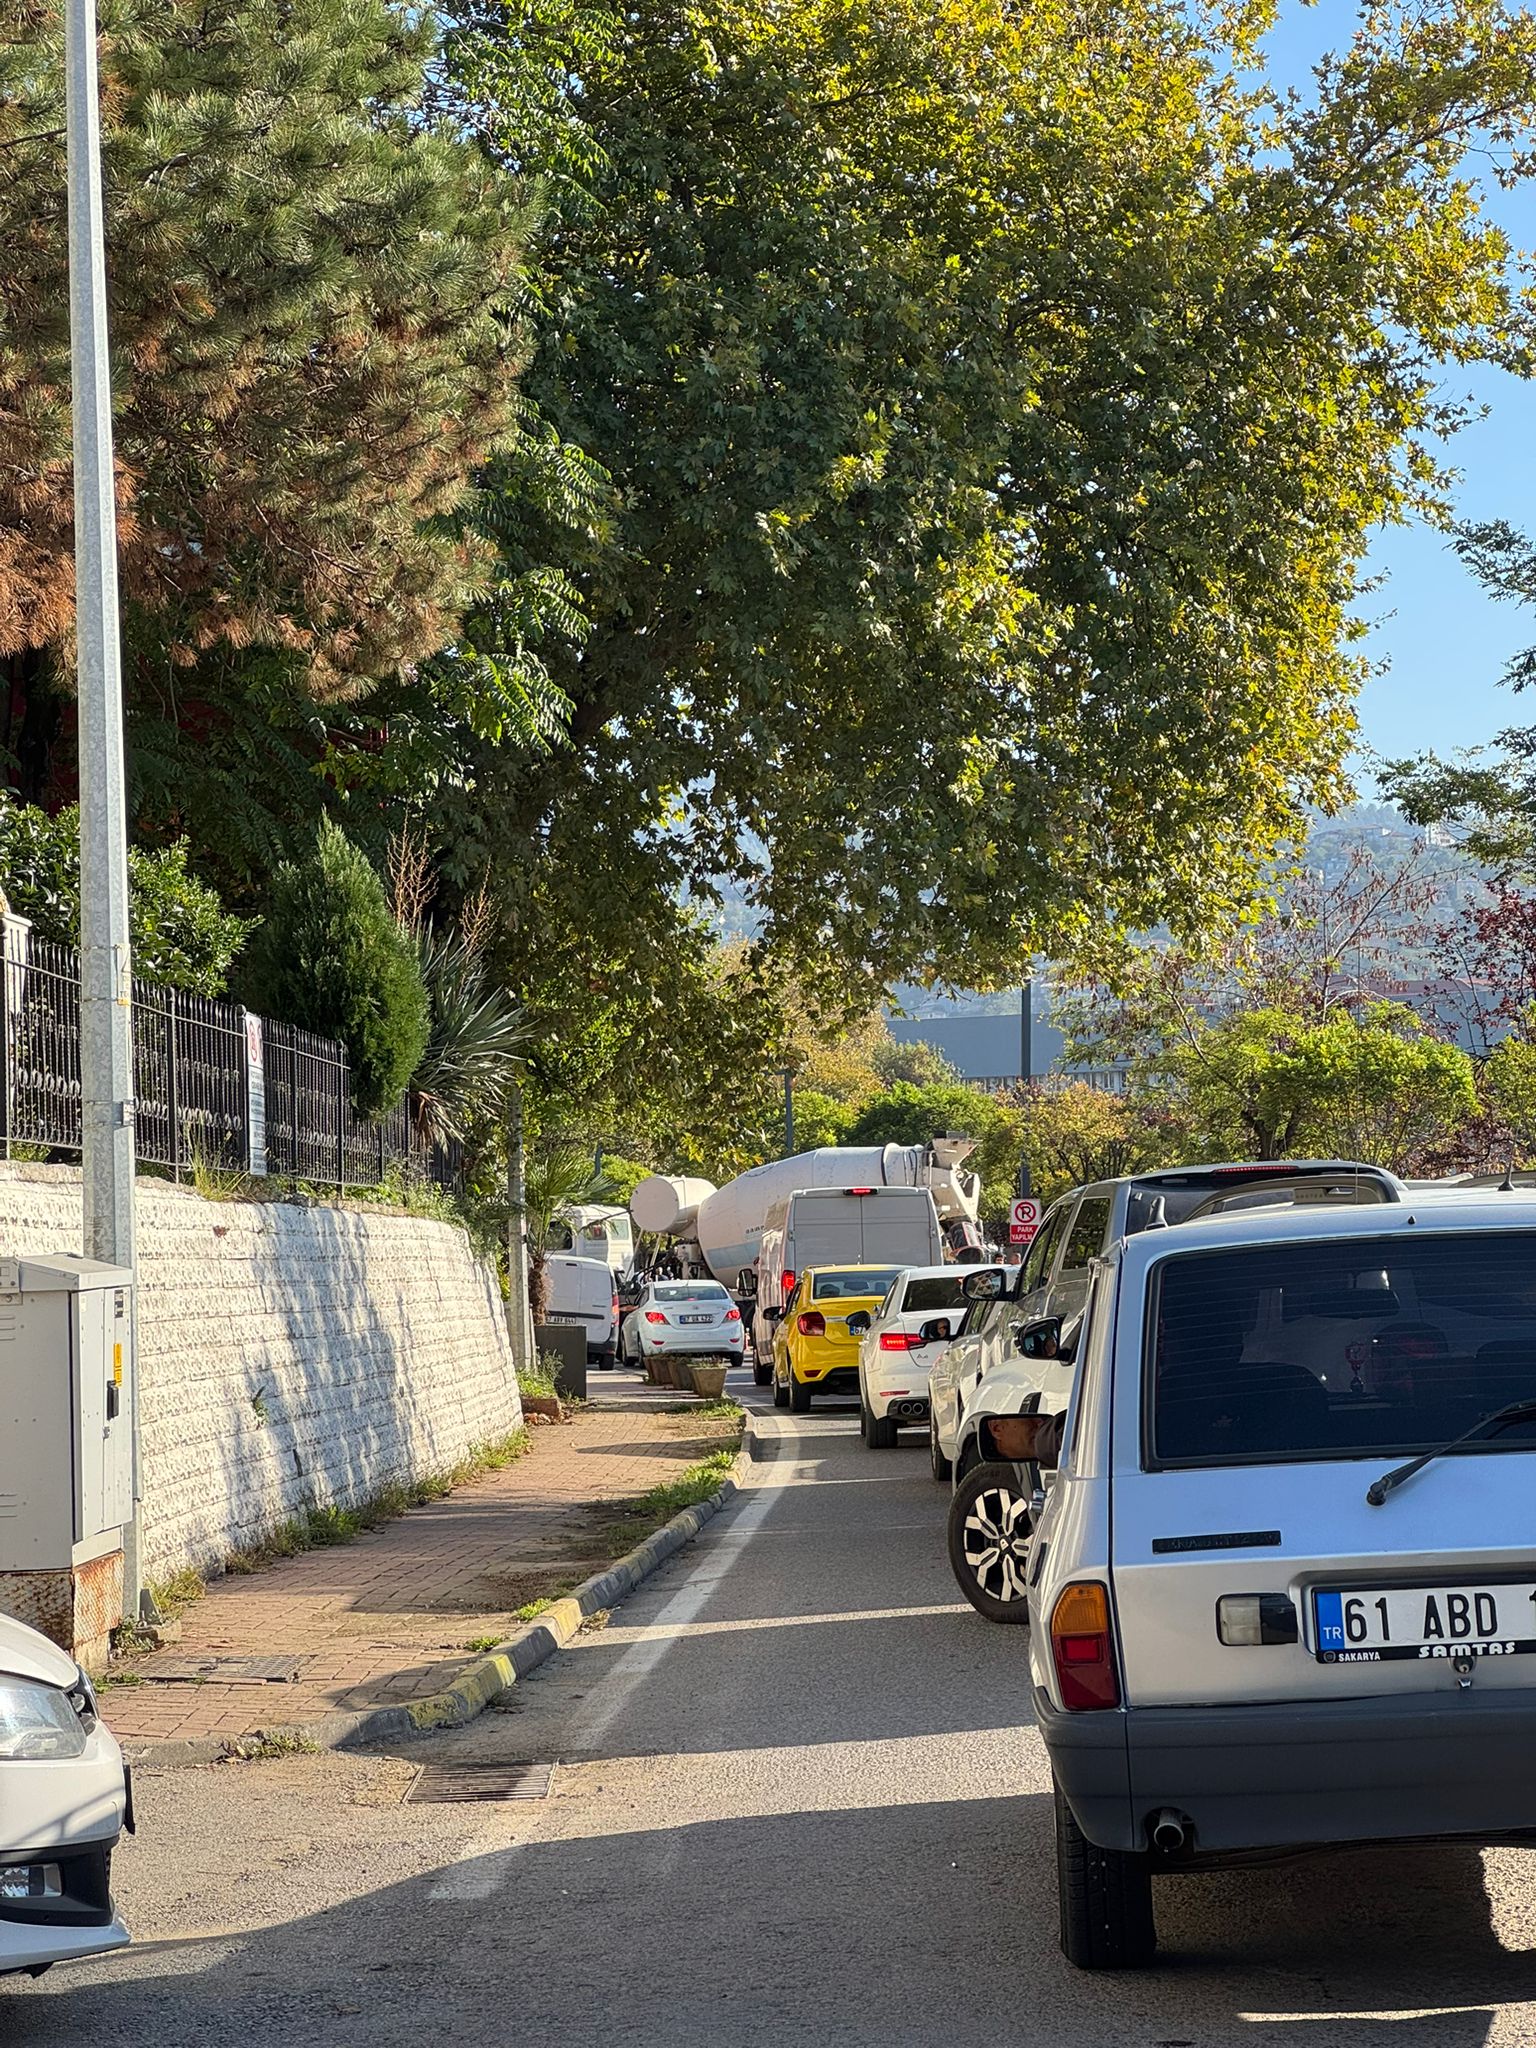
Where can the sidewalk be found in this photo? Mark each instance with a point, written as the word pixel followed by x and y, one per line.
pixel 392 1616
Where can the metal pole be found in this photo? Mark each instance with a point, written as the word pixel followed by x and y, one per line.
pixel 1026 1066
pixel 519 1325
pixel 106 968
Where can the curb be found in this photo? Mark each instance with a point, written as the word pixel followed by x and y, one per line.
pixel 481 1681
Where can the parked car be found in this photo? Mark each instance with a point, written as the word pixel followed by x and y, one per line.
pixel 582 1291
pixel 900 1342
pixel 992 1509
pixel 814 1349
pixel 689 1318
pixel 869 1226
pixel 1283 1590
pixel 65 1799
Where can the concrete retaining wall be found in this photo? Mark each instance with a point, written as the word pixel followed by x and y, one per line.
pixel 288 1356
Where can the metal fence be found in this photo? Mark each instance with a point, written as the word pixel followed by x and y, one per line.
pixel 213 1084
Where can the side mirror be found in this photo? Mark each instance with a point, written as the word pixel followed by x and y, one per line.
pixel 1041 1340
pixel 858 1322
pixel 1026 1439
pixel 772 1315
pixel 987 1286
pixel 935 1331
pixel 746 1280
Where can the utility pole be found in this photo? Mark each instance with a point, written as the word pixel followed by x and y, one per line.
pixel 1026 1064
pixel 519 1323
pixel 106 970
pixel 789 1113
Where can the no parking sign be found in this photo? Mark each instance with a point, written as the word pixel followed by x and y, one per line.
pixel 1024 1220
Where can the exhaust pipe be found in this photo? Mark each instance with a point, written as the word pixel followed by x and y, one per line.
pixel 1169 1832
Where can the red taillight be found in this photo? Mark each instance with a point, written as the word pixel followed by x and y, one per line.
pixel 733 1315
pixel 613 1306
pixel 858 1191
pixel 789 1285
pixel 1082 1650
pixel 897 1340
pixel 654 1315
pixel 812 1324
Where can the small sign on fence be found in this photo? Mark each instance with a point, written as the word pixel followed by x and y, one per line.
pixel 1023 1220
pixel 255 1096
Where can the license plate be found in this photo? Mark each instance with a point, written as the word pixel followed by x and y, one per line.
pixel 695 1319
pixel 567 1319
pixel 1387 1624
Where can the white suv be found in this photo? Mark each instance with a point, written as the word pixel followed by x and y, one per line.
pixel 1283 1591
pixel 901 1342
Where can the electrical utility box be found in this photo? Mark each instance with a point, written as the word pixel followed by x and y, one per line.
pixel 66 1388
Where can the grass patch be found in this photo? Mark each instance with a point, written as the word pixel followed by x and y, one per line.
pixel 539 1380
pixel 481 1644
pixel 319 1528
pixel 640 1518
pixel 260 1749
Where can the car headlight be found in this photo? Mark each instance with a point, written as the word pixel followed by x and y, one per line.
pixel 39 1723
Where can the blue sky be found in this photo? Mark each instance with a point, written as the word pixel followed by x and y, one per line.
pixel 1444 640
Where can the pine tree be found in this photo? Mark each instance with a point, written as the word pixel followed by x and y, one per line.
pixel 304 271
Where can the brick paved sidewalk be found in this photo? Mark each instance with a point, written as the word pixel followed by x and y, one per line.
pixel 389 1617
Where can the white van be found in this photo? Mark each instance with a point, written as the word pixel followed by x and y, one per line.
pixel 582 1291
pixel 837 1227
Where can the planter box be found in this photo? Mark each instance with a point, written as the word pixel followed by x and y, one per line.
pixel 709 1381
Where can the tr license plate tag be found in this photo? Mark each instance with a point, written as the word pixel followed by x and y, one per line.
pixel 695 1319
pixel 1390 1624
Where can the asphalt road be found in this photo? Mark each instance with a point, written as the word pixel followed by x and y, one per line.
pixel 797 1801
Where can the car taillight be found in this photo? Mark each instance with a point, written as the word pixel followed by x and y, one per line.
pixel 858 1191
pixel 897 1340
pixel 1081 1648
pixel 654 1315
pixel 789 1284
pixel 613 1306
pixel 812 1324
pixel 732 1315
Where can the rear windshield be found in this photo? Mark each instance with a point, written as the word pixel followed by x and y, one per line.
pixel 1345 1349
pixel 852 1281
pixel 692 1291
pixel 942 1290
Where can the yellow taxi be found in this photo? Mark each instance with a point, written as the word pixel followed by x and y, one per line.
pixel 814 1349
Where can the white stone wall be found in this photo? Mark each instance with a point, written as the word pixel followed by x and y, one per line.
pixel 288 1356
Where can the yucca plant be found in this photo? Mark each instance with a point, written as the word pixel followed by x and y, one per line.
pixel 477 1036
pixel 560 1175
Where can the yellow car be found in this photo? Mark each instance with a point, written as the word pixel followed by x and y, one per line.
pixel 814 1351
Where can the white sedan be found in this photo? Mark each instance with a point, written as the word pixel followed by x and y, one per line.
pixel 904 1339
pixel 64 1801
pixel 694 1318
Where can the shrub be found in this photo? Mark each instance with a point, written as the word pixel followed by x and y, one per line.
pixel 182 935
pixel 332 959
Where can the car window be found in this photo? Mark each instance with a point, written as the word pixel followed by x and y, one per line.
pixel 1341 1348
pixel 937 1290
pixel 854 1282
pixel 1086 1240
pixel 692 1290
pixel 1038 1261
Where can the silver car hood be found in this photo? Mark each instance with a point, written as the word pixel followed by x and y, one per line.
pixel 26 1654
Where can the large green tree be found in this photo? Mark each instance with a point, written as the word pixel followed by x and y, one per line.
pixel 995 407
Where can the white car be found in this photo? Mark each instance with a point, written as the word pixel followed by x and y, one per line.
pixel 65 1798
pixel 688 1318
pixel 900 1343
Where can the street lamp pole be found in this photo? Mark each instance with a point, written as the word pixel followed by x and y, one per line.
pixel 106 973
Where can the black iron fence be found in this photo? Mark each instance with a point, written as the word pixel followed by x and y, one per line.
pixel 214 1084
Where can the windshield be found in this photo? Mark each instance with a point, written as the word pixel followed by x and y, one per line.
pixel 853 1282
pixel 691 1291
pixel 940 1290
pixel 1342 1349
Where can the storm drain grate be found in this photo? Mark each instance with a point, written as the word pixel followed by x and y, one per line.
pixel 220 1670
pixel 438 1784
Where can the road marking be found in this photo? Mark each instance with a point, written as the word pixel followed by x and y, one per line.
pixel 720 1556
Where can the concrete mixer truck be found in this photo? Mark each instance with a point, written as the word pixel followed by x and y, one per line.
pixel 751 1236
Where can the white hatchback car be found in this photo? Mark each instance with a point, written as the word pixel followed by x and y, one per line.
pixel 683 1318
pixel 65 1798
pixel 901 1342
pixel 1283 1593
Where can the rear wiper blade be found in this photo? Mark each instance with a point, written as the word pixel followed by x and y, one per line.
pixel 1501 1418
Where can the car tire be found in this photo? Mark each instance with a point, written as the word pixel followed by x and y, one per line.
pixel 881 1434
pixel 762 1371
pixel 988 1529
pixel 938 1464
pixel 780 1395
pixel 1105 1900
pixel 799 1396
